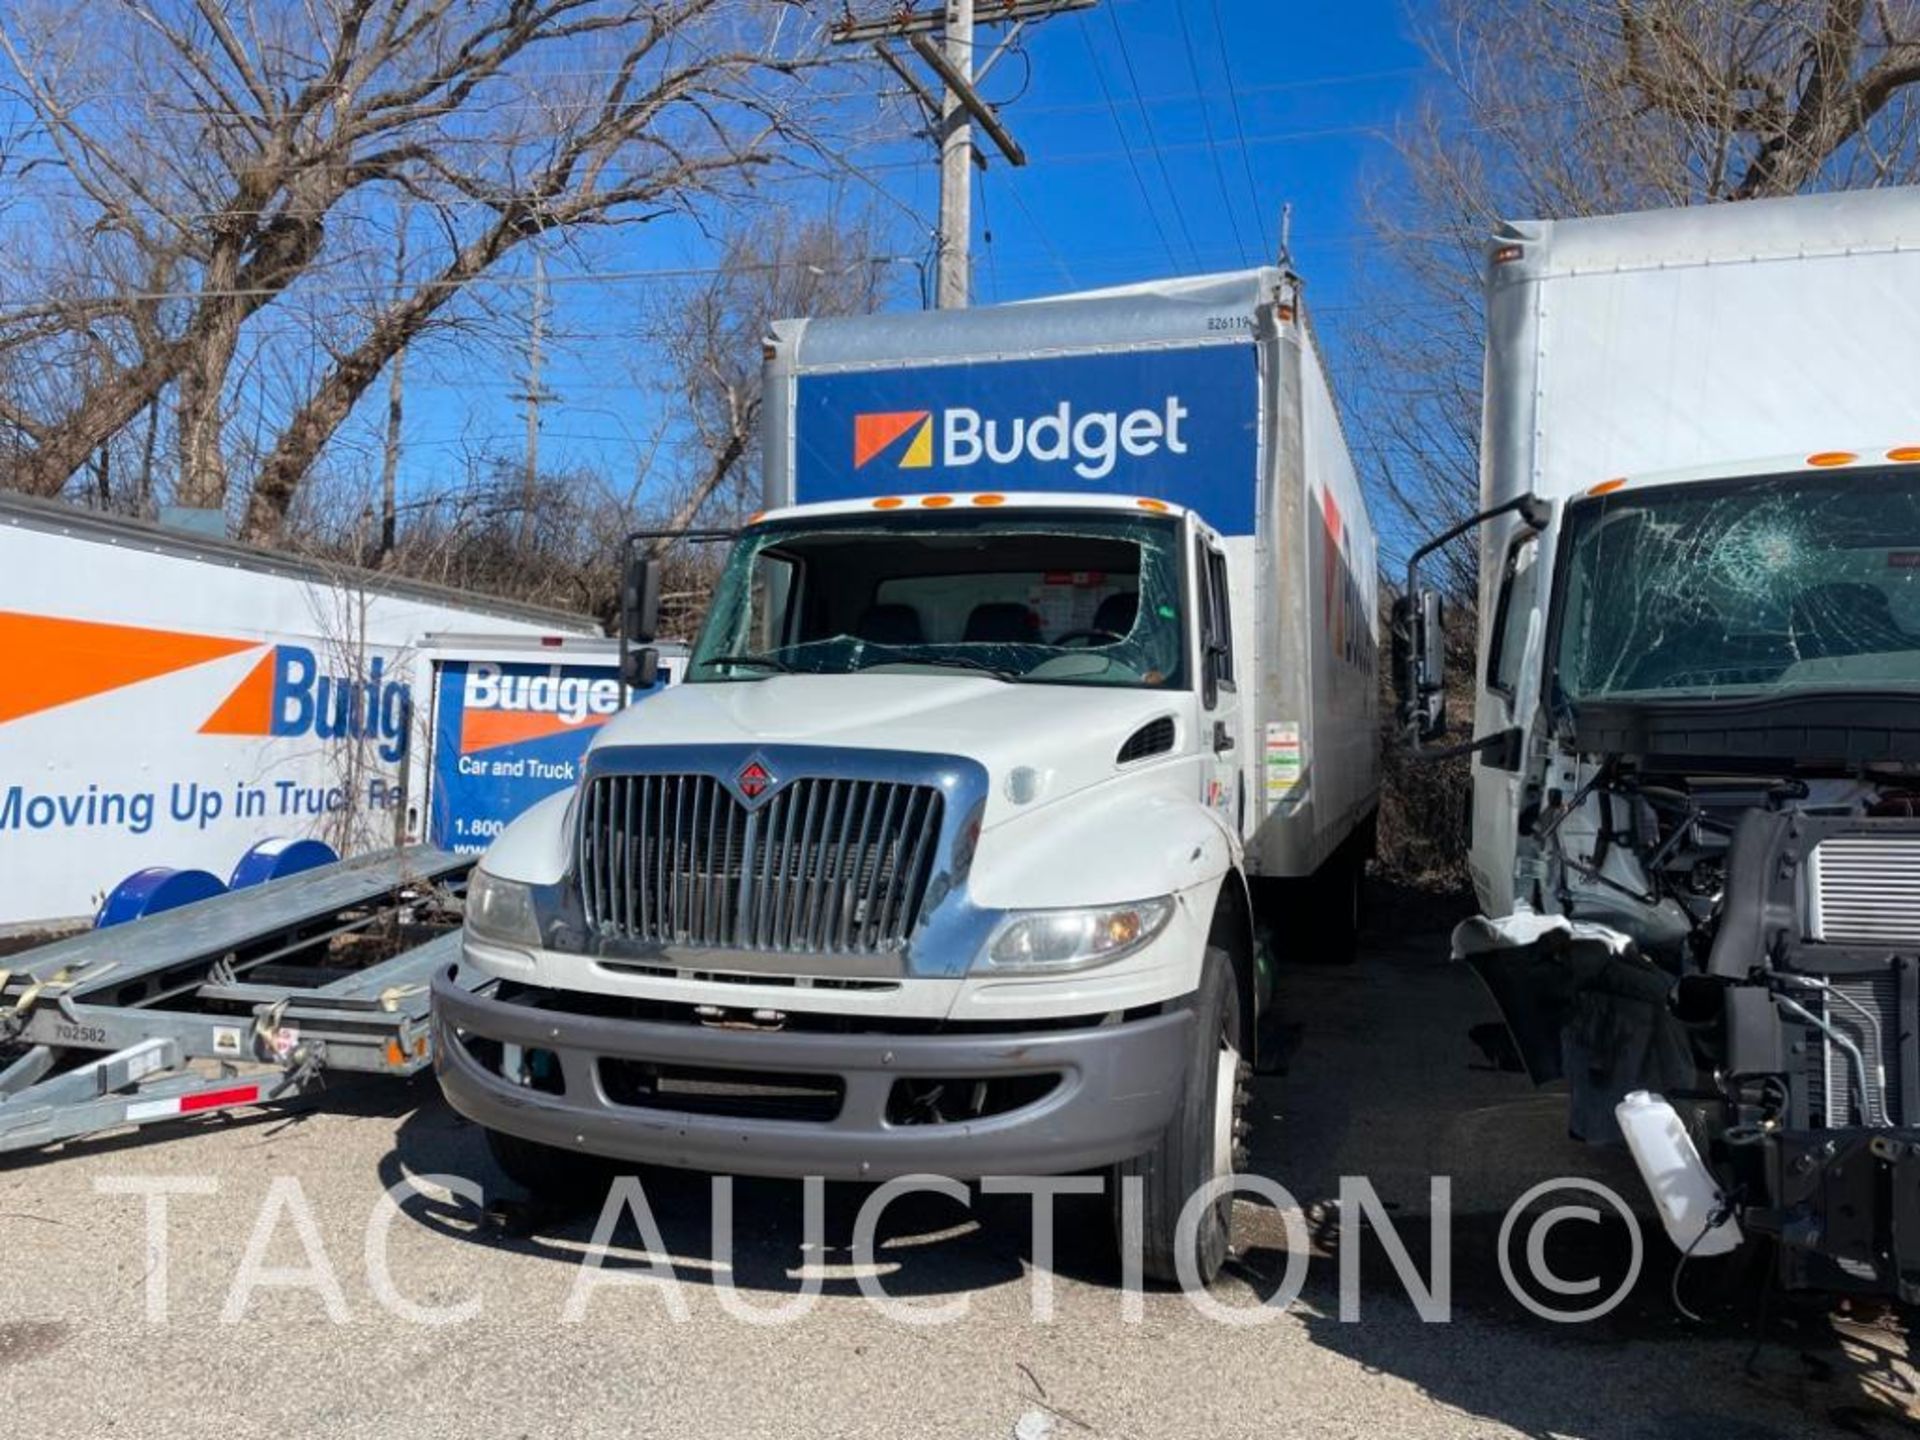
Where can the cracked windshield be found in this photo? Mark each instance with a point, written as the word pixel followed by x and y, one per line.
pixel 1792 583
pixel 1075 598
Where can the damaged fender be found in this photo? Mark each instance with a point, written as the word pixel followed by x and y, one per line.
pixel 1582 1004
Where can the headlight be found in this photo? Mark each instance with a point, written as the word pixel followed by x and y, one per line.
pixel 1074 939
pixel 501 910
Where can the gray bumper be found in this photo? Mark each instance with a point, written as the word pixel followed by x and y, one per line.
pixel 1117 1089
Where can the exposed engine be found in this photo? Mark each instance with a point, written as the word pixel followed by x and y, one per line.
pixel 1776 918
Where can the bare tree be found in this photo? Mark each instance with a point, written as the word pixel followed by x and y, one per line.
pixel 216 156
pixel 1555 108
pixel 772 267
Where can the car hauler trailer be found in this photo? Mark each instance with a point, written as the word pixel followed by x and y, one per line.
pixel 1057 632
pixel 1695 835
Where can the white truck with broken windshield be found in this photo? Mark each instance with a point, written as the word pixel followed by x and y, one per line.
pixel 1696 791
pixel 1056 636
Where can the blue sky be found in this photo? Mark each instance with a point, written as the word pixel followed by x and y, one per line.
pixel 1111 194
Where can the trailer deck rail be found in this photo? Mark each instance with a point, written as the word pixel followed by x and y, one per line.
pixel 245 999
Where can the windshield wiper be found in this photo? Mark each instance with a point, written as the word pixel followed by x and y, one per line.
pixel 764 662
pixel 952 662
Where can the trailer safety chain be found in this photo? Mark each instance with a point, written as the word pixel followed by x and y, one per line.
pixel 266 1021
pixel 305 1066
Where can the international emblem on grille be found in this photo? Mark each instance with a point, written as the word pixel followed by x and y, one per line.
pixel 753 781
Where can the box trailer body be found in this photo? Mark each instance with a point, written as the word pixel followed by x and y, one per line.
pixel 1698 698
pixel 1207 392
pixel 1056 634
pixel 170 701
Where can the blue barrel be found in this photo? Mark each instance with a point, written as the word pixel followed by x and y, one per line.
pixel 148 892
pixel 272 859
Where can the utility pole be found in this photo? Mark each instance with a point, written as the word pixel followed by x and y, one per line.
pixel 951 287
pixel 390 457
pixel 952 114
pixel 396 390
pixel 531 397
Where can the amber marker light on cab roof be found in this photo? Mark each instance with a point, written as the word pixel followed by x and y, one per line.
pixel 1905 455
pixel 1160 505
pixel 1607 487
pixel 888 502
pixel 936 502
pixel 989 499
pixel 1827 459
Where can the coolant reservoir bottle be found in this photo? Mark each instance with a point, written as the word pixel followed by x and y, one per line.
pixel 1678 1179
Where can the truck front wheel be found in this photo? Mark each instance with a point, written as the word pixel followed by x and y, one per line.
pixel 1201 1143
pixel 546 1172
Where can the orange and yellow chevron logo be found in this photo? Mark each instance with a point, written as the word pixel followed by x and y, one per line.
pixel 53 661
pixel 874 434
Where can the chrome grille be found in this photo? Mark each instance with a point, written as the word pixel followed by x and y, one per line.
pixel 823 866
pixel 1865 890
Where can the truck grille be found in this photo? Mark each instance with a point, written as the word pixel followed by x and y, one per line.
pixel 1865 890
pixel 824 866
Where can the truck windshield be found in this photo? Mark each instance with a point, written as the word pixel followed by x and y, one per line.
pixel 1786 583
pixel 1064 598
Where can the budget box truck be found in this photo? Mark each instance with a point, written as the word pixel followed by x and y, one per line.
pixel 180 712
pixel 1696 784
pixel 1056 633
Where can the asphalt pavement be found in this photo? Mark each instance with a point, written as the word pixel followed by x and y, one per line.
pixel 283 1294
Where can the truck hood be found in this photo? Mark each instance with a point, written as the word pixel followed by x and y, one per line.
pixel 1070 734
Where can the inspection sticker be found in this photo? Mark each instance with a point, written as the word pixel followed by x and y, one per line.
pixel 1283 760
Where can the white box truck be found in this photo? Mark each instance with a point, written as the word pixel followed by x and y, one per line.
pixel 1696 793
pixel 1057 632
pixel 189 710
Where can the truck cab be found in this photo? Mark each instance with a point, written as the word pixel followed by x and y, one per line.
pixel 1696 839
pixel 940 858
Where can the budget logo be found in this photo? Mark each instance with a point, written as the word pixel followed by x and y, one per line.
pixel 511 707
pixel 879 433
pixel 288 693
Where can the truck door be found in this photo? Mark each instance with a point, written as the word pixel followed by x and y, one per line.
pixel 1220 738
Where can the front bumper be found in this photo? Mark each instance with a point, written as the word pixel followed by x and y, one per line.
pixel 1846 1208
pixel 1115 1091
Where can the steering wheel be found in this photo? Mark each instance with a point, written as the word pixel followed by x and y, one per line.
pixel 1095 636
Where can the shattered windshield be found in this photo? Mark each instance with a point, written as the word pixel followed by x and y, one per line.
pixel 1789 583
pixel 1065 598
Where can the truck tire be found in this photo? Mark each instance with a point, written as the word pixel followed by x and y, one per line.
pixel 1202 1139
pixel 547 1172
pixel 1336 905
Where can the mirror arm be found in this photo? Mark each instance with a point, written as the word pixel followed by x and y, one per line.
pixel 1534 511
pixel 1507 739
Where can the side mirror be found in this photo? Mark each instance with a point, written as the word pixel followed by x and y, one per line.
pixel 1420 664
pixel 639 619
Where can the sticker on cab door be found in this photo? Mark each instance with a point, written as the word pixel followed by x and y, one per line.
pixel 1283 760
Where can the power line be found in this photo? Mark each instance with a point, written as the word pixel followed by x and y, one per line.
pixel 1239 126
pixel 1206 121
pixel 1153 138
pixel 1139 180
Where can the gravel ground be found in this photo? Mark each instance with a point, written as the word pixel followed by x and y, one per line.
pixel 1382 1082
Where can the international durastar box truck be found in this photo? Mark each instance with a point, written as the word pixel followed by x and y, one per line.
pixel 1056 633
pixel 1696 797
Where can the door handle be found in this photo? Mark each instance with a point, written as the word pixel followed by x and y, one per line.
pixel 1222 738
